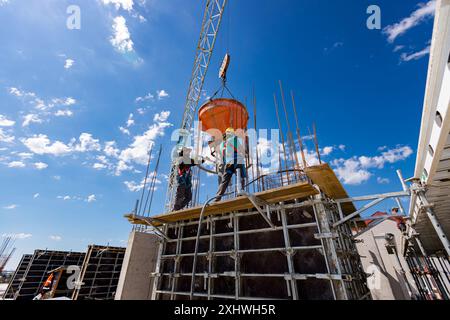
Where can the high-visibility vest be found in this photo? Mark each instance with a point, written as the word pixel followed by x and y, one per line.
pixel 235 155
pixel 48 282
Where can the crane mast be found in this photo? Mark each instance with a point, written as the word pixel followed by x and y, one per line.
pixel 212 19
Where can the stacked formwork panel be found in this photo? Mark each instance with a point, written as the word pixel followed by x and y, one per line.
pixel 18 277
pixel 100 273
pixel 38 268
pixel 242 257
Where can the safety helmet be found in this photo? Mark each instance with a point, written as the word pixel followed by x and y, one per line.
pixel 229 130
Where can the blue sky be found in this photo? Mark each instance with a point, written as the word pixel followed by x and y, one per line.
pixel 79 107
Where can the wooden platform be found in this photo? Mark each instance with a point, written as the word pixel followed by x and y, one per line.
pixel 291 192
pixel 321 175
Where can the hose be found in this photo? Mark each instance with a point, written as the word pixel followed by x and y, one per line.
pixel 197 240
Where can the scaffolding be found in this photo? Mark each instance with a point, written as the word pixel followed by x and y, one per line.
pixel 100 273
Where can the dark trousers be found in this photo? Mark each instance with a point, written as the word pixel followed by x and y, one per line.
pixel 183 197
pixel 230 170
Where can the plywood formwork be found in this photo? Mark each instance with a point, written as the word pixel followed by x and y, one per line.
pixel 38 268
pixel 18 276
pixel 100 273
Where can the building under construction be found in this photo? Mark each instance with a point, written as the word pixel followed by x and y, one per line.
pixel 289 232
pixel 280 234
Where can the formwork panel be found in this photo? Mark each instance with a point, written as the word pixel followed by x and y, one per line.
pixel 264 263
pixel 100 273
pixel 18 277
pixel 269 288
pixel 241 256
pixel 314 289
pixel 37 271
pixel 309 262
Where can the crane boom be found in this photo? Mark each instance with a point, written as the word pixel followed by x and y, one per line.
pixel 212 19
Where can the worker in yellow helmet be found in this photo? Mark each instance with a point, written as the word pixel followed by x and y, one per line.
pixel 232 151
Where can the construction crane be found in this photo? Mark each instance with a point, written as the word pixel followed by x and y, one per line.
pixel 212 19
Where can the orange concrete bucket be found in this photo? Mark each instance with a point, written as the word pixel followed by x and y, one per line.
pixel 221 114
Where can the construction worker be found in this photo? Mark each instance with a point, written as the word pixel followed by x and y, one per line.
pixel 184 178
pixel 46 288
pixel 401 223
pixel 233 157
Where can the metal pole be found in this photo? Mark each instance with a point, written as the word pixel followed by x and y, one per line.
pixel 289 134
pixel 282 137
pixel 316 142
pixel 302 152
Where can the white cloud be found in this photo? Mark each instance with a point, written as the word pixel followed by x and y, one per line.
pixel 130 121
pixel 327 150
pixel 31 118
pixel 65 198
pixel 69 101
pixel 398 48
pixel 25 155
pixel 36 195
pixel 350 171
pixel 162 116
pixel 4 122
pixel 19 93
pixel 69 63
pixel 3 2
pixel 124 4
pixel 397 29
pixel 121 40
pixel 91 198
pixel 41 144
pixel 87 143
pixel 55 238
pixel 138 151
pixel 5 137
pixel 355 170
pixel 135 187
pixel 40 165
pixel 415 55
pixel 124 131
pixel 16 164
pixel 63 113
pixel 122 166
pixel 162 94
pixel 11 207
pixel 19 236
pixel 382 180
pixel 99 166
pixel 111 149
pixel 148 96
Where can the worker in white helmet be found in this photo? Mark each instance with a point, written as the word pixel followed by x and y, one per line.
pixel 233 157
pixel 184 179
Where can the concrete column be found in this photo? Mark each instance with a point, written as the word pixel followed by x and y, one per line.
pixel 140 260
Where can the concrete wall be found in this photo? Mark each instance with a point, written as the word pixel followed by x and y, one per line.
pixel 135 282
pixel 391 283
